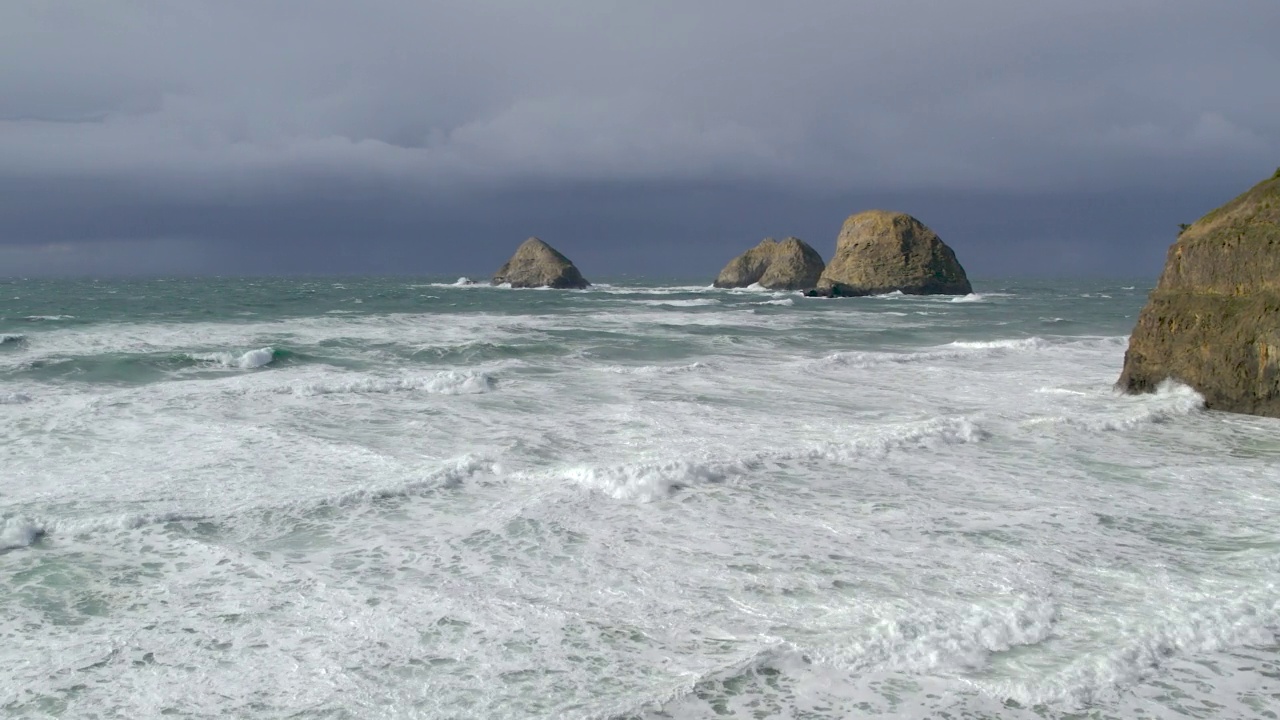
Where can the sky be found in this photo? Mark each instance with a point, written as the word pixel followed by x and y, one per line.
pixel 659 138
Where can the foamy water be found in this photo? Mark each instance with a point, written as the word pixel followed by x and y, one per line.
pixel 383 498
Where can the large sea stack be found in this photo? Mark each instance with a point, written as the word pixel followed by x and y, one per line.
pixel 537 264
pixel 1213 320
pixel 787 265
pixel 881 252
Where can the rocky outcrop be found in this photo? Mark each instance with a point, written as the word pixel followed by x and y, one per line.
pixel 1213 320
pixel 537 264
pixel 787 265
pixel 881 252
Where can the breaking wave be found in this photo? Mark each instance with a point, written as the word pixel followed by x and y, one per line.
pixel 962 349
pixel 449 382
pixel 656 369
pixel 648 481
pixel 1170 401
pixel 1203 627
pixel 693 302
pixel 246 361
pixel 952 351
pixel 18 531
pixel 926 640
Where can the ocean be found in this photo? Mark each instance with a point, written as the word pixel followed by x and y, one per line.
pixel 402 498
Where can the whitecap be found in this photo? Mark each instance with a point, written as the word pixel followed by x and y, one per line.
pixel 651 480
pixel 443 383
pixel 246 361
pixel 953 351
pixel 256 358
pixel 18 532
pixel 970 298
pixel 1138 653
pixel 1170 401
pixel 655 369
pixel 694 302
pixel 1031 343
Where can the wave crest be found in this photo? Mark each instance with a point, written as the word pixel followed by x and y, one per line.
pixel 652 480
pixel 449 382
pixel 247 361
pixel 1170 401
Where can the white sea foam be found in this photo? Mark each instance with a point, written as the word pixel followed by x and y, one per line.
pixel 970 298
pixel 608 289
pixel 1142 650
pixel 648 481
pixel 693 302
pixel 18 532
pixel 1031 343
pixel 652 369
pixel 1172 400
pixel 959 349
pixel 255 358
pixel 647 511
pixel 14 398
pixel 245 361
pixel 448 382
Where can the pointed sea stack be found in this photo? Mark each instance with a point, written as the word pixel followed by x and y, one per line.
pixel 1213 320
pixel 537 264
pixel 881 252
pixel 787 265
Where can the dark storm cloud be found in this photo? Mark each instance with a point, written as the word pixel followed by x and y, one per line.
pixel 324 136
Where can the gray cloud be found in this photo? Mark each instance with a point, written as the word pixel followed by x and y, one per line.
pixel 119 118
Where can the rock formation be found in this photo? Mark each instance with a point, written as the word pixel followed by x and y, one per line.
pixel 880 252
pixel 787 265
pixel 537 264
pixel 1213 320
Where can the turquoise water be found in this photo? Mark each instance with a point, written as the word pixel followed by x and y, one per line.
pixel 412 498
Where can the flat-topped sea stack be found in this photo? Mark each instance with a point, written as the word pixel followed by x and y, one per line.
pixel 537 264
pixel 1213 320
pixel 787 265
pixel 881 252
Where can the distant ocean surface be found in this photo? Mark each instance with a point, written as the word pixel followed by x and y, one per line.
pixel 396 498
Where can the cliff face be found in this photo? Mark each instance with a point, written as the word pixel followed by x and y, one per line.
pixel 1213 320
pixel 880 251
pixel 537 264
pixel 788 265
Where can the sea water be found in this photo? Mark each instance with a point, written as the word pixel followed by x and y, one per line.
pixel 398 498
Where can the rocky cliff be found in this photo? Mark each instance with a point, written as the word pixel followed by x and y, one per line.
pixel 1213 320
pixel 880 251
pixel 537 264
